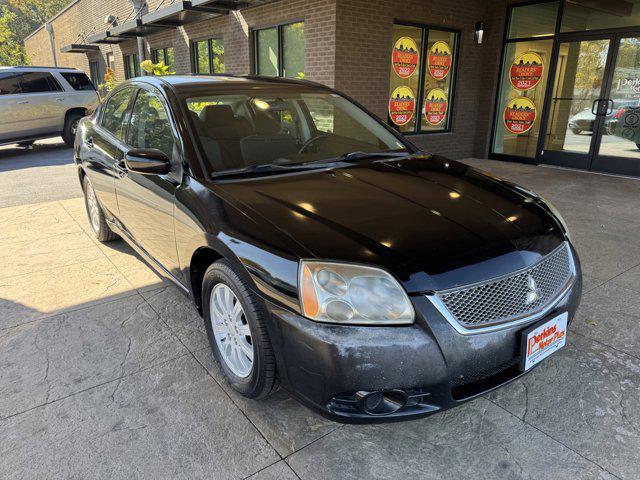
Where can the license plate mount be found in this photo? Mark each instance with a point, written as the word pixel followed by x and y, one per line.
pixel 542 339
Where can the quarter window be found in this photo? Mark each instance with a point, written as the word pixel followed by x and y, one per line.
pixel 280 51
pixel 115 113
pixel 78 81
pixel 421 83
pixel 131 66
pixel 208 56
pixel 150 127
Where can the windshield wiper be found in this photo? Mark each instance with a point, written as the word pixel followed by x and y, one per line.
pixel 257 168
pixel 358 155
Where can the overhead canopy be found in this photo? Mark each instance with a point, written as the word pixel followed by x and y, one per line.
pixel 105 37
pixel 135 28
pixel 180 13
pixel 79 48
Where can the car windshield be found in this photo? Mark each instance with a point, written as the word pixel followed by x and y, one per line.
pixel 243 130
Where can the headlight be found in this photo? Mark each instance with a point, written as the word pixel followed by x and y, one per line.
pixel 352 294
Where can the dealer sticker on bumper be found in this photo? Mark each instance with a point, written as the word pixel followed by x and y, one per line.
pixel 542 340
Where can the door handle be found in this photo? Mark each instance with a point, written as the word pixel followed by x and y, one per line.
pixel 89 143
pixel 120 167
pixel 594 110
pixel 609 102
pixel 23 102
pixel 60 99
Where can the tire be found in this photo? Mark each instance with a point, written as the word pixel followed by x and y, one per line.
pixel 97 220
pixel 70 127
pixel 576 131
pixel 260 379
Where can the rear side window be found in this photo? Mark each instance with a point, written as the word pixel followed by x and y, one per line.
pixel 39 82
pixel 114 116
pixel 9 83
pixel 78 81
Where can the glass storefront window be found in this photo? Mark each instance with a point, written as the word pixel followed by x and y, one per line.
pixel 280 51
pixel 534 20
pixel 208 56
pixel 421 78
pixel 581 15
pixel 293 50
pixel 521 99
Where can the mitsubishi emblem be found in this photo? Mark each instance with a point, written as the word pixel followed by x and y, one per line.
pixel 534 292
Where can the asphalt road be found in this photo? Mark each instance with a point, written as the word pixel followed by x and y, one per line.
pixel 42 173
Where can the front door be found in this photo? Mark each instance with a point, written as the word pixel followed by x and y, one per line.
pixel 594 106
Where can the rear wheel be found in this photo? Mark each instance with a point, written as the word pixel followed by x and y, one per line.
pixel 70 128
pixel 96 216
pixel 234 320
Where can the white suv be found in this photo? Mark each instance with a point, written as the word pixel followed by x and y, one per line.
pixel 41 102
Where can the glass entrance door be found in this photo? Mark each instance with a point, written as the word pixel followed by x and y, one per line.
pixel 575 107
pixel 593 115
pixel 618 150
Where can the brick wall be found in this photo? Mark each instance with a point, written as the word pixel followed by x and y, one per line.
pixel 348 46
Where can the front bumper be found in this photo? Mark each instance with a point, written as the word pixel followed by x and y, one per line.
pixel 430 365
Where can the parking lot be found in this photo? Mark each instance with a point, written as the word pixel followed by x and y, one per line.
pixel 105 369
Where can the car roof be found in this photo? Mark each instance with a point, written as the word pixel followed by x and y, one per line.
pixel 180 82
pixel 28 68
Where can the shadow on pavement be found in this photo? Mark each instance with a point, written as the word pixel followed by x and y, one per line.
pixel 42 154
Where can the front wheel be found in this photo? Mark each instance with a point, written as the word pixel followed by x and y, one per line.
pixel 576 131
pixel 96 216
pixel 234 320
pixel 70 128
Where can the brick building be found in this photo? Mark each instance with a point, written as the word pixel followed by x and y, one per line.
pixel 519 94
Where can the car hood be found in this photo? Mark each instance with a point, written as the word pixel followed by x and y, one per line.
pixel 434 223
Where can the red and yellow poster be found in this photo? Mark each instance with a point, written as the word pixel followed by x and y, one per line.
pixel 405 57
pixel 519 115
pixel 402 105
pixel 526 71
pixel 440 60
pixel 435 107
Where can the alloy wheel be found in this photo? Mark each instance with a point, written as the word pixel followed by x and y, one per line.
pixel 231 330
pixel 93 208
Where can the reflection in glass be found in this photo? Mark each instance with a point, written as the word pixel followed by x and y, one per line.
pixel 267 46
pixel 533 20
pixel 293 49
pixel 593 15
pixel 579 78
pixel 622 126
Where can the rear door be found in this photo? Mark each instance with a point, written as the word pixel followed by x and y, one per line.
pixel 104 147
pixel 42 103
pixel 79 90
pixel 146 202
pixel 13 118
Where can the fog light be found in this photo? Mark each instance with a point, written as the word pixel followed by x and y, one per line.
pixel 383 402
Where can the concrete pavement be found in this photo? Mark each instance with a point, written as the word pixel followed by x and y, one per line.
pixel 105 370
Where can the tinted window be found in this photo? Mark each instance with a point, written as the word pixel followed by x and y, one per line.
pixel 38 82
pixel 79 81
pixel 115 112
pixel 150 126
pixel 9 83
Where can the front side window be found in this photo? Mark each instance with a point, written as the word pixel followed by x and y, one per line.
pixel 280 51
pixel 150 127
pixel 208 56
pixel 131 66
pixel 9 83
pixel 115 111
pixel 78 81
pixel 423 67
pixel 257 128
pixel 38 82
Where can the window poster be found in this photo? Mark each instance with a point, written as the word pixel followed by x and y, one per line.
pixel 402 105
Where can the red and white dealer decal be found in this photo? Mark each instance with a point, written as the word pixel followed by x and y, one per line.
pixel 545 339
pixel 402 105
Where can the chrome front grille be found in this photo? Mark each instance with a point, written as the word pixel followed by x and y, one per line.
pixel 512 297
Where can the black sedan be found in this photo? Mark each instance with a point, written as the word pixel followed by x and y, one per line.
pixel 323 250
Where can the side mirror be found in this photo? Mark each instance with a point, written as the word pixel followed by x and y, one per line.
pixel 147 161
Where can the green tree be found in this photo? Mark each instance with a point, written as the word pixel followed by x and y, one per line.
pixel 18 18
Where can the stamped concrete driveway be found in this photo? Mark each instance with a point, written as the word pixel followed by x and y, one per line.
pixel 105 371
